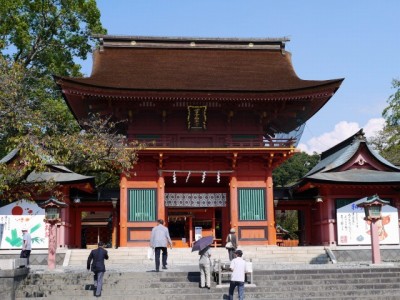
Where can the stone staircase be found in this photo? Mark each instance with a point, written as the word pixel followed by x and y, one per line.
pixel 324 282
pixel 261 256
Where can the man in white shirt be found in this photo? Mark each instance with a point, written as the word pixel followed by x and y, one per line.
pixel 26 245
pixel 238 267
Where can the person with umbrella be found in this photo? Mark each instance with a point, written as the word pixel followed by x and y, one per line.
pixel 203 246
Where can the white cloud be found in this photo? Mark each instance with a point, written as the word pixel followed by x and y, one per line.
pixel 342 131
pixel 373 126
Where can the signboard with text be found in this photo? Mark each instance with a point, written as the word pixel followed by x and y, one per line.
pixel 198 233
pixel 18 215
pixel 352 229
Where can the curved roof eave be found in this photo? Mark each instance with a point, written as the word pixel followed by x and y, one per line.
pixel 58 177
pixel 335 160
pixel 357 176
pixel 85 83
pixel 9 156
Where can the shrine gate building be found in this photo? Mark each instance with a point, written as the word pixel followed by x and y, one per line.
pixel 218 115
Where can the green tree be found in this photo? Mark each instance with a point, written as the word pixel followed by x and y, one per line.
pixel 96 150
pixel 392 112
pixel 294 169
pixel 288 220
pixel 387 141
pixel 48 35
pixel 46 38
pixel 38 39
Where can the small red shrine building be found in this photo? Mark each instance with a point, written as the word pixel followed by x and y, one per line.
pixel 221 115
pixel 347 172
pixel 21 213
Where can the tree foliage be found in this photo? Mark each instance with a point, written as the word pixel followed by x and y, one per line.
pixel 39 38
pixel 392 112
pixel 387 141
pixel 294 169
pixel 47 35
pixel 96 150
pixel 288 220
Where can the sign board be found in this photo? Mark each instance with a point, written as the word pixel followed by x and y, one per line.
pixel 197 117
pixel 352 229
pixel 198 233
pixel 18 215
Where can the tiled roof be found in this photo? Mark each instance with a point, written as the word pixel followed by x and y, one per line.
pixel 186 64
pixel 10 156
pixel 58 177
pixel 57 173
pixel 359 176
pixel 340 154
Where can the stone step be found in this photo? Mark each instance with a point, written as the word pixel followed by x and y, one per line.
pixel 223 295
pixel 182 256
pixel 187 287
pixel 324 284
pixel 196 294
pixel 259 278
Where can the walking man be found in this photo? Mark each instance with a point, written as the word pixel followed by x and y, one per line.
pixel 238 267
pixel 98 267
pixel 159 241
pixel 26 245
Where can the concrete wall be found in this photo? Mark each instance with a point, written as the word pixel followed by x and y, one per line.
pixel 9 280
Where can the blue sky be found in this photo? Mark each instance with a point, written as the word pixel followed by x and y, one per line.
pixel 358 40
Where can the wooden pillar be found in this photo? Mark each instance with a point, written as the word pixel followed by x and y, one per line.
pixel 78 228
pixel 213 221
pixel 308 225
pixel 63 226
pixel 225 218
pixel 233 203
pixel 160 199
pixel 123 207
pixel 190 231
pixel 114 228
pixel 270 209
pixel 213 225
pixel 331 220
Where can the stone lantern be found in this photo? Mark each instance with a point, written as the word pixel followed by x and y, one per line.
pixel 373 208
pixel 52 208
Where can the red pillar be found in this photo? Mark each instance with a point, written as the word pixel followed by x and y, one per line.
pixel 51 258
pixel 190 231
pixel 160 199
pixel 376 254
pixel 270 209
pixel 78 228
pixel 114 228
pixel 123 236
pixel 233 202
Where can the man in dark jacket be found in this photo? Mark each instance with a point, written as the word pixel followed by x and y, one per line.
pixel 98 268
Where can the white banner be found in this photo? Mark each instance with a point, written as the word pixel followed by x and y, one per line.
pixel 18 215
pixel 352 229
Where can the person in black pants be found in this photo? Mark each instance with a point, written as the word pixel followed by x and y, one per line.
pixel 159 241
pixel 26 245
pixel 98 267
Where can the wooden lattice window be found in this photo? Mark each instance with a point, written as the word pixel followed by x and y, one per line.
pixel 251 204
pixel 142 205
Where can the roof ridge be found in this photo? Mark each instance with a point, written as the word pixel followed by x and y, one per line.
pixel 359 135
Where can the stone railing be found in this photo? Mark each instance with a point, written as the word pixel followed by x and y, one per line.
pixel 12 263
pixel 11 272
